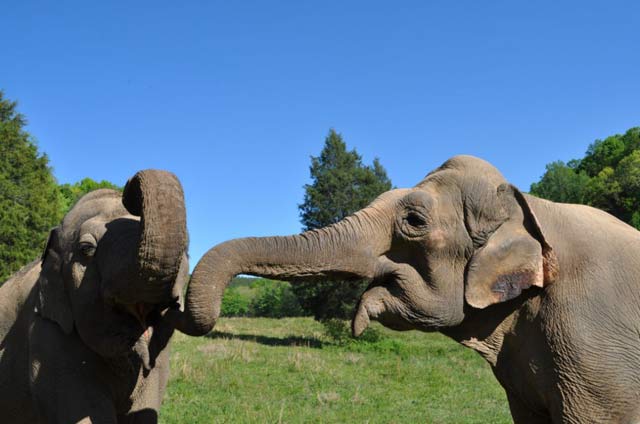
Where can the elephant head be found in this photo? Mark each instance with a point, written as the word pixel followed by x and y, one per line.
pixel 116 263
pixel 460 240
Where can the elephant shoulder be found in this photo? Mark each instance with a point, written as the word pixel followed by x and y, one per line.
pixel 17 302
pixel 19 285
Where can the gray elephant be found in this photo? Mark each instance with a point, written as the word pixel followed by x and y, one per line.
pixel 547 293
pixel 83 331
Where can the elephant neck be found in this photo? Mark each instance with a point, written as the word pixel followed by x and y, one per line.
pixel 509 337
pixel 487 330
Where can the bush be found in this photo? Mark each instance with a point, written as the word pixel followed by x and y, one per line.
pixel 338 332
pixel 260 297
pixel 234 304
pixel 274 299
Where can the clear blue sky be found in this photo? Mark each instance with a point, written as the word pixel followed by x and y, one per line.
pixel 234 97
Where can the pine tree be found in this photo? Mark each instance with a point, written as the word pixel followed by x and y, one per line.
pixel 341 185
pixel 29 199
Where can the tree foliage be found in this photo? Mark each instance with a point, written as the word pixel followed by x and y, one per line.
pixel 234 304
pixel 260 297
pixel 341 185
pixel 608 177
pixel 71 193
pixel 562 183
pixel 29 201
pixel 274 299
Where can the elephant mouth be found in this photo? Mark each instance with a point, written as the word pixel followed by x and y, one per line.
pixel 147 318
pixel 131 327
pixel 140 312
pixel 386 298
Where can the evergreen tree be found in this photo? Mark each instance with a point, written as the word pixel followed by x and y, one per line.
pixel 341 185
pixel 29 199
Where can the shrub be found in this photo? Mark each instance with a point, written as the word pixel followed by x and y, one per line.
pixel 339 332
pixel 234 304
pixel 274 299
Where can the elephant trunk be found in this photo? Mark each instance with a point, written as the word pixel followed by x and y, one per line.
pixel 347 250
pixel 157 198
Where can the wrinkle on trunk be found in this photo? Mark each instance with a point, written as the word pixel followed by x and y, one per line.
pixel 157 197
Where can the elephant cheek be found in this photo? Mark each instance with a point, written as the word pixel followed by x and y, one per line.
pixel 106 332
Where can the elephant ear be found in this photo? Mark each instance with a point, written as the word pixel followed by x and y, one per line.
pixel 515 257
pixel 53 301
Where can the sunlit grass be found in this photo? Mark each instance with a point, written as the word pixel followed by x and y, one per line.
pixel 259 370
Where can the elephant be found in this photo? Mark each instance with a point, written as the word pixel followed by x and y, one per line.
pixel 547 293
pixel 83 328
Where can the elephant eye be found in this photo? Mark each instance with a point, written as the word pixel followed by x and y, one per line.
pixel 87 245
pixel 413 223
pixel 415 219
pixel 87 249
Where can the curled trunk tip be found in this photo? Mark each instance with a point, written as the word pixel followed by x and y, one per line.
pixel 157 198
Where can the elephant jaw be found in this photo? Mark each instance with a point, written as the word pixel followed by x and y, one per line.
pixel 379 304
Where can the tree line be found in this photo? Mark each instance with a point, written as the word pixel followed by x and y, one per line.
pixel 607 177
pixel 32 202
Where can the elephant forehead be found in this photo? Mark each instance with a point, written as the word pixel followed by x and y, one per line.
pixel 97 226
pixel 473 165
pixel 442 203
pixel 472 193
pixel 100 202
pixel 422 198
pixel 461 170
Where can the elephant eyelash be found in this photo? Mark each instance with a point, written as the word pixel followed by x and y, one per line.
pixel 87 245
pixel 415 219
pixel 413 224
pixel 87 249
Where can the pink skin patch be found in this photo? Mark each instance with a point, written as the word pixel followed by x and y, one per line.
pixel 437 239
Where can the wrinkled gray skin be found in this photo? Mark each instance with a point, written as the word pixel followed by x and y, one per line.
pixel 547 293
pixel 84 337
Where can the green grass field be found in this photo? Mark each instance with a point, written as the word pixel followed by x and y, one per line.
pixel 259 370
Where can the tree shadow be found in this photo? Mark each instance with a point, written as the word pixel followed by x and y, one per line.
pixel 269 341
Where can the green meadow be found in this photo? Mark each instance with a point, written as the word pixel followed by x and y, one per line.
pixel 292 370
